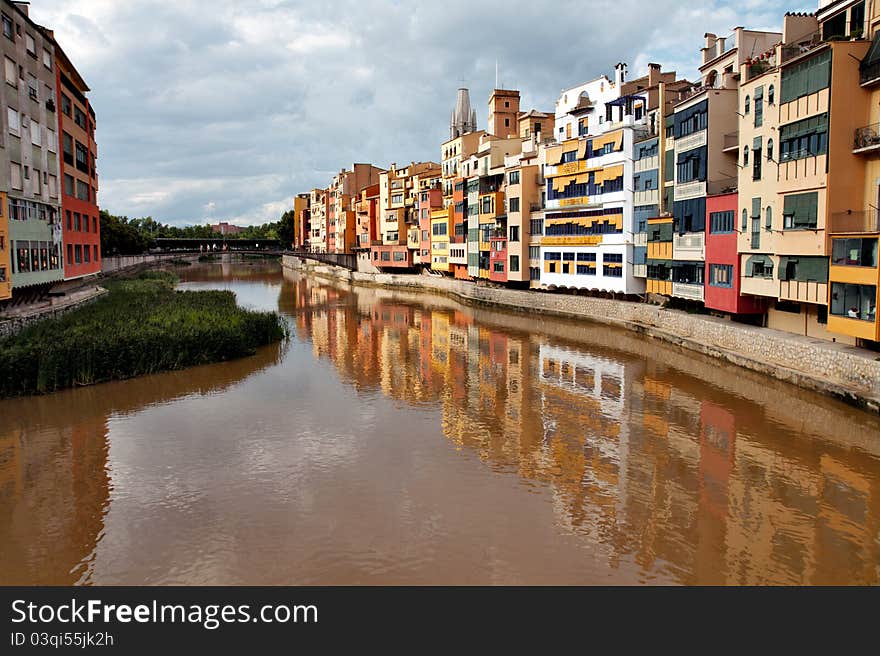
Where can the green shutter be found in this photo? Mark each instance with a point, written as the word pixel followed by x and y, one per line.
pixel 669 166
pixel 756 208
pixel 804 208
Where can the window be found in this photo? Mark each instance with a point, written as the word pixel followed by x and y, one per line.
pixel 514 233
pixel 771 94
pixel 745 220
pixel 854 301
pixel 36 134
pixel 745 155
pixel 806 138
pixel 514 263
pixel 536 227
pixel 15 176
pixel 69 221
pixel 86 254
pixel 800 211
pixel 82 190
pixel 65 105
pixel 498 267
pixel 95 253
pixel 8 30
pixel 29 45
pixel 68 184
pixel 11 72
pixel 807 77
pixel 53 186
pixel 14 121
pixel 439 229
pixel 77 221
pixel 36 179
pixel 33 88
pixel 77 254
pixel 721 222
pixel 756 161
pixel 610 271
pixel 854 252
pixel 616 258
pixel 759 107
pixel 769 150
pixel 693 119
pixel 748 106
pixel 569 156
pixel 759 266
pixel 79 117
pixel 82 157
pixel 721 275
pixel 67 147
pixel 513 205
pixel 47 59
pixel 507 122
pixel 768 218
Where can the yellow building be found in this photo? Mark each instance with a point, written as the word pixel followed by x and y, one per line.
pixel 441 228
pixel 5 258
pixel 854 276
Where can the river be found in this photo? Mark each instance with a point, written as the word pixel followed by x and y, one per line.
pixel 404 439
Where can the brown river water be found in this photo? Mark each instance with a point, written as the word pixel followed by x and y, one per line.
pixel 405 439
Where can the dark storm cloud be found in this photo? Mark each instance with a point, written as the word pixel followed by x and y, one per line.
pixel 225 110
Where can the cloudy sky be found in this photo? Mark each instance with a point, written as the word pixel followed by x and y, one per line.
pixel 224 109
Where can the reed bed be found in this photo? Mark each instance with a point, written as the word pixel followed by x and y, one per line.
pixel 142 326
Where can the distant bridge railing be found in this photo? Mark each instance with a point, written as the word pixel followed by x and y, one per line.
pixel 345 260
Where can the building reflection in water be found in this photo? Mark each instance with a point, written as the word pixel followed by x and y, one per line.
pixel 699 474
pixel 55 477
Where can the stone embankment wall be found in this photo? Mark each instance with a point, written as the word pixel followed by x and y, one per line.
pixel 13 324
pixel 120 262
pixel 839 370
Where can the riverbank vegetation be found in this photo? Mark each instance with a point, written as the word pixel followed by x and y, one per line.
pixel 142 326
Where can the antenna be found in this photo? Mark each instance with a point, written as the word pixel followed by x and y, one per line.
pixel 496 74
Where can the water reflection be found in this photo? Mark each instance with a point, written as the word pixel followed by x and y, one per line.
pixel 55 475
pixel 709 483
pixel 408 439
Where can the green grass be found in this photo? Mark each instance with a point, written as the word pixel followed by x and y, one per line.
pixel 142 326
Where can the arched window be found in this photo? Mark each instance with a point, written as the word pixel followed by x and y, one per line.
pixel 771 94
pixel 746 156
pixel 768 218
pixel 769 148
pixel 748 104
pixel 745 223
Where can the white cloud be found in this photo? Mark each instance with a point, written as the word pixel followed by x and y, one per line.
pixel 229 108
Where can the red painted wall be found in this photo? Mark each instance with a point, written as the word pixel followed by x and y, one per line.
pixel 70 205
pixel 721 249
pixel 498 254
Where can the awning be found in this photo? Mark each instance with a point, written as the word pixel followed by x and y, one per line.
pixel 873 56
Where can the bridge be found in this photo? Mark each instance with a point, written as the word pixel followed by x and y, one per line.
pixel 220 244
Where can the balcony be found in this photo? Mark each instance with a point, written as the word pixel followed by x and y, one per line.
pixel 855 222
pixel 867 139
pixel 640 270
pixel 870 75
pixel 690 291
pixel 808 291
pixel 722 186
pixel 690 246
pixel 731 142
pixel 802 47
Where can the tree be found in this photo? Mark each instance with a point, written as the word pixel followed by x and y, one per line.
pixel 286 230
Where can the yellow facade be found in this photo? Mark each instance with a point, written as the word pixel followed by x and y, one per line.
pixel 441 228
pixel 5 252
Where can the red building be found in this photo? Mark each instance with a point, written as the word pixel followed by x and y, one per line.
pixel 498 259
pixel 429 200
pixel 224 228
pixel 81 226
pixel 722 289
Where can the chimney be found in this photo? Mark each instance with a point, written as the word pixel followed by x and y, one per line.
pixel 709 46
pixel 720 46
pixel 654 75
